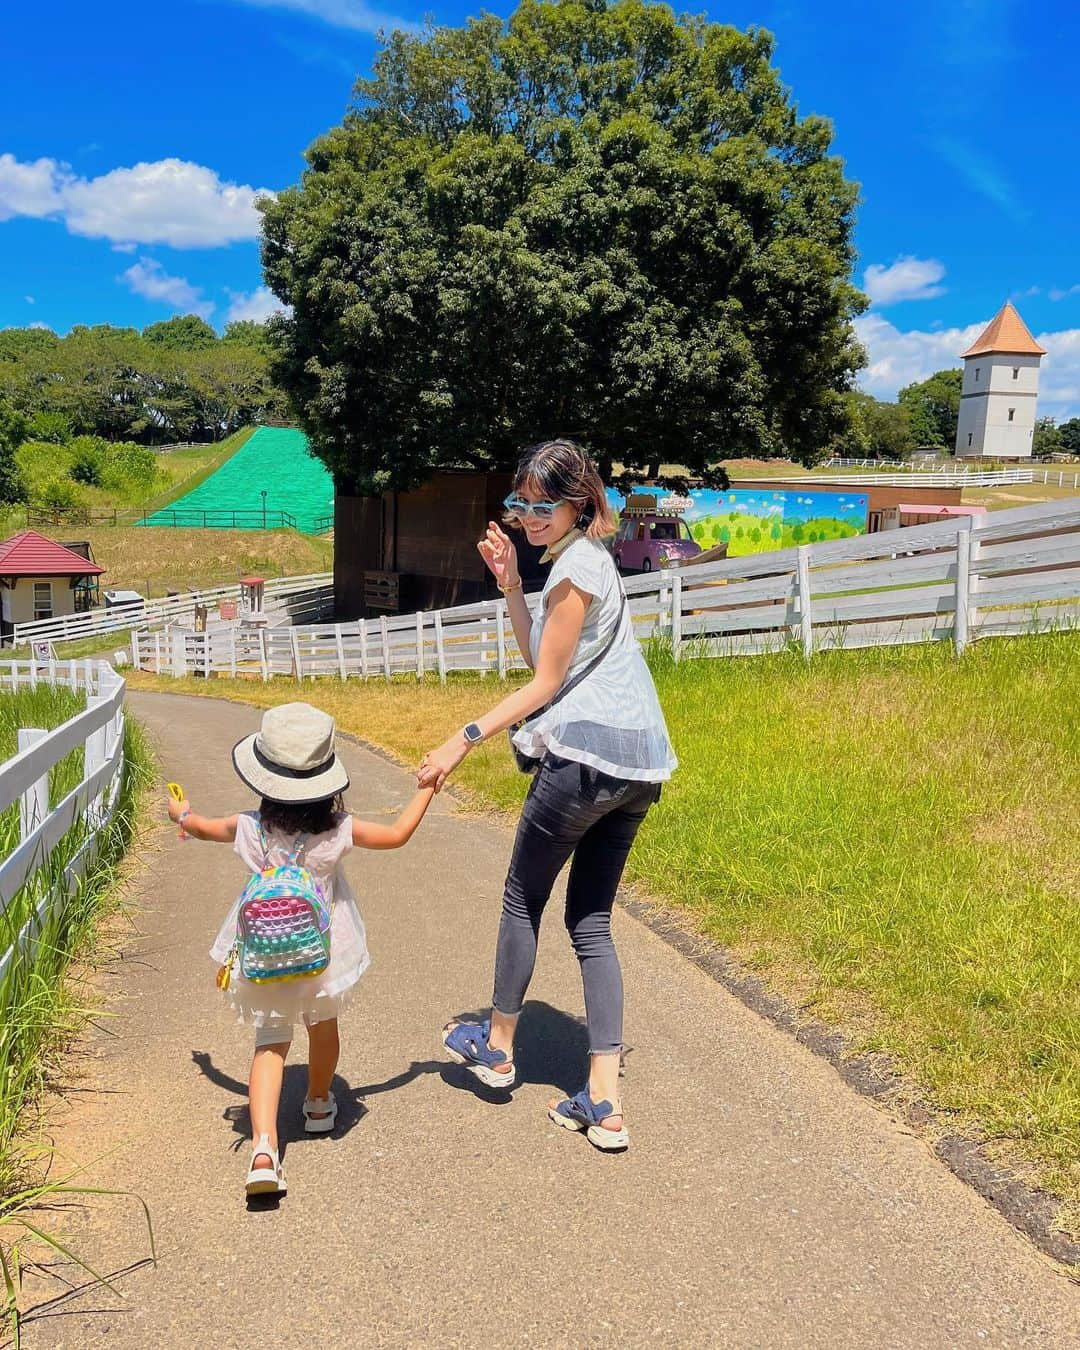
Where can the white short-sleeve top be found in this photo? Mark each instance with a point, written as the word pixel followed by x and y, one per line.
pixel 612 721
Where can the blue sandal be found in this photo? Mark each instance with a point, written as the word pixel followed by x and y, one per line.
pixel 582 1113
pixel 467 1043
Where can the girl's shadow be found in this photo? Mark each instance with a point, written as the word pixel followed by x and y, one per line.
pixel 352 1107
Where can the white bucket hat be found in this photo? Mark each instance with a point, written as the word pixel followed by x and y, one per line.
pixel 291 757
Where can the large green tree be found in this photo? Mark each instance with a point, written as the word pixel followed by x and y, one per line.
pixel 13 431
pixel 593 219
pixel 1069 433
pixel 933 407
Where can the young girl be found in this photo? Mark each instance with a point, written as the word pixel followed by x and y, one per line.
pixel 291 763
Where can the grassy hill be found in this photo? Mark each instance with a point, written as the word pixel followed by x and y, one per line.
pixel 275 460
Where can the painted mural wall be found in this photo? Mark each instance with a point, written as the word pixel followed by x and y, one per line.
pixel 752 521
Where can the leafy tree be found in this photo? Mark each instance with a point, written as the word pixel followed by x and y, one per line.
pixel 1047 437
pixel 88 460
pixel 1070 435
pixel 13 429
pixel 887 427
pixel 246 333
pixel 934 408
pixel 594 219
pixel 182 333
pixel 50 426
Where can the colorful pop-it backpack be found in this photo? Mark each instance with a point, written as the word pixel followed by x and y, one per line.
pixel 283 924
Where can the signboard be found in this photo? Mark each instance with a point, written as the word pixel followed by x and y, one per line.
pixel 227 609
pixel 43 651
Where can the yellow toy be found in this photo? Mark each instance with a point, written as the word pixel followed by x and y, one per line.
pixel 177 794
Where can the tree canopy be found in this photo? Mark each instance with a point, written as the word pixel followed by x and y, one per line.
pixel 933 408
pixel 593 220
pixel 169 383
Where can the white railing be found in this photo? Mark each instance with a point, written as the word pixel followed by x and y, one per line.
pixel 305 596
pixel 99 730
pixel 960 474
pixel 1010 572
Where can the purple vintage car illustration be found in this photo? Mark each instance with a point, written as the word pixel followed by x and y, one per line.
pixel 652 535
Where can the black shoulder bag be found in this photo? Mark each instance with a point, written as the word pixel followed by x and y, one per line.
pixel 527 763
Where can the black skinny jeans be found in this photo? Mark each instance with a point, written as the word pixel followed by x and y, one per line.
pixel 571 809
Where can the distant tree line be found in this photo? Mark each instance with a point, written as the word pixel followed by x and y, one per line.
pixel 924 417
pixel 174 381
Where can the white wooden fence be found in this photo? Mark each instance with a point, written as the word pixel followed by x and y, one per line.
pixel 99 729
pixel 1008 572
pixel 307 596
pixel 964 475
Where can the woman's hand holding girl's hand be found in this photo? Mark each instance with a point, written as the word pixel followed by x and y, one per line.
pixel 437 765
pixel 498 551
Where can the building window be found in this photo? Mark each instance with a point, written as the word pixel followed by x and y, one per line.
pixel 976 374
pixel 969 437
pixel 1016 372
pixel 1012 413
pixel 43 601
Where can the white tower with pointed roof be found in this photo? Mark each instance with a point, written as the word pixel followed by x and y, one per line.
pixel 1000 390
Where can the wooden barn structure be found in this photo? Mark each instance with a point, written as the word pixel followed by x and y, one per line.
pixel 414 550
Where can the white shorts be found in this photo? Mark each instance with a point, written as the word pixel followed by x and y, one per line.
pixel 277 1031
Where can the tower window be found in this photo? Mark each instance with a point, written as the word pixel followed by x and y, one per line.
pixel 1016 372
pixel 969 437
pixel 976 374
pixel 1012 413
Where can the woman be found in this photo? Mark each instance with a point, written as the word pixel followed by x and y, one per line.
pixel 603 752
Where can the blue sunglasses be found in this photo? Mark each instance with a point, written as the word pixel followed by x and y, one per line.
pixel 519 508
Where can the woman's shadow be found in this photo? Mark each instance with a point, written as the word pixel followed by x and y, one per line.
pixel 551 1047
pixel 352 1107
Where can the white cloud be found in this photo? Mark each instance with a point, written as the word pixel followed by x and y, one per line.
pixel 170 201
pixel 899 358
pixel 149 279
pixel 29 189
pixel 907 279
pixel 30 300
pixel 38 324
pixel 258 306
pixel 354 14
pixel 1060 294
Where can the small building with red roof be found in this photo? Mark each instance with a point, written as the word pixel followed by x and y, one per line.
pixel 40 579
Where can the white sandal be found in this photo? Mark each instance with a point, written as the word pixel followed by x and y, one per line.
pixel 265 1180
pixel 320 1113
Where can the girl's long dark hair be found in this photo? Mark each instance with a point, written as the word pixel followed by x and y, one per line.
pixel 302 817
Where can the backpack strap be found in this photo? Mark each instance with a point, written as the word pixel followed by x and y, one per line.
pixel 298 848
pixel 301 840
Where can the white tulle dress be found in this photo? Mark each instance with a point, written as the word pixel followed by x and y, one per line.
pixel 322 996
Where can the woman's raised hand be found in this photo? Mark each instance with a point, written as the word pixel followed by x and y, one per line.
pixel 498 551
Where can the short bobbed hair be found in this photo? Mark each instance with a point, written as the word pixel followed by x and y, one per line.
pixel 560 470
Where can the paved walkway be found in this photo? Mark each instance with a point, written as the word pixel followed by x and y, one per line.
pixel 763 1203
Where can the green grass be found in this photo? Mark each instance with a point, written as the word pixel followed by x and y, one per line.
pixel 888 836
pixel 38 1007
pixel 274 459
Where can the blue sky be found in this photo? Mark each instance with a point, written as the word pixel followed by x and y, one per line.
pixel 133 137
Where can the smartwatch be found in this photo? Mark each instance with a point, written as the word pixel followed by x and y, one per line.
pixel 472 734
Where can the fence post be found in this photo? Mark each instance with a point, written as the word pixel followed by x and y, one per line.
pixel 264 661
pixel 363 649
pixel 34 802
pixel 419 644
pixel 440 653
pixel 298 665
pixel 135 649
pixel 676 617
pixel 179 654
pixel 963 585
pixel 806 614
pixel 385 646
pixel 500 637
pixel 94 756
pixel 340 651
